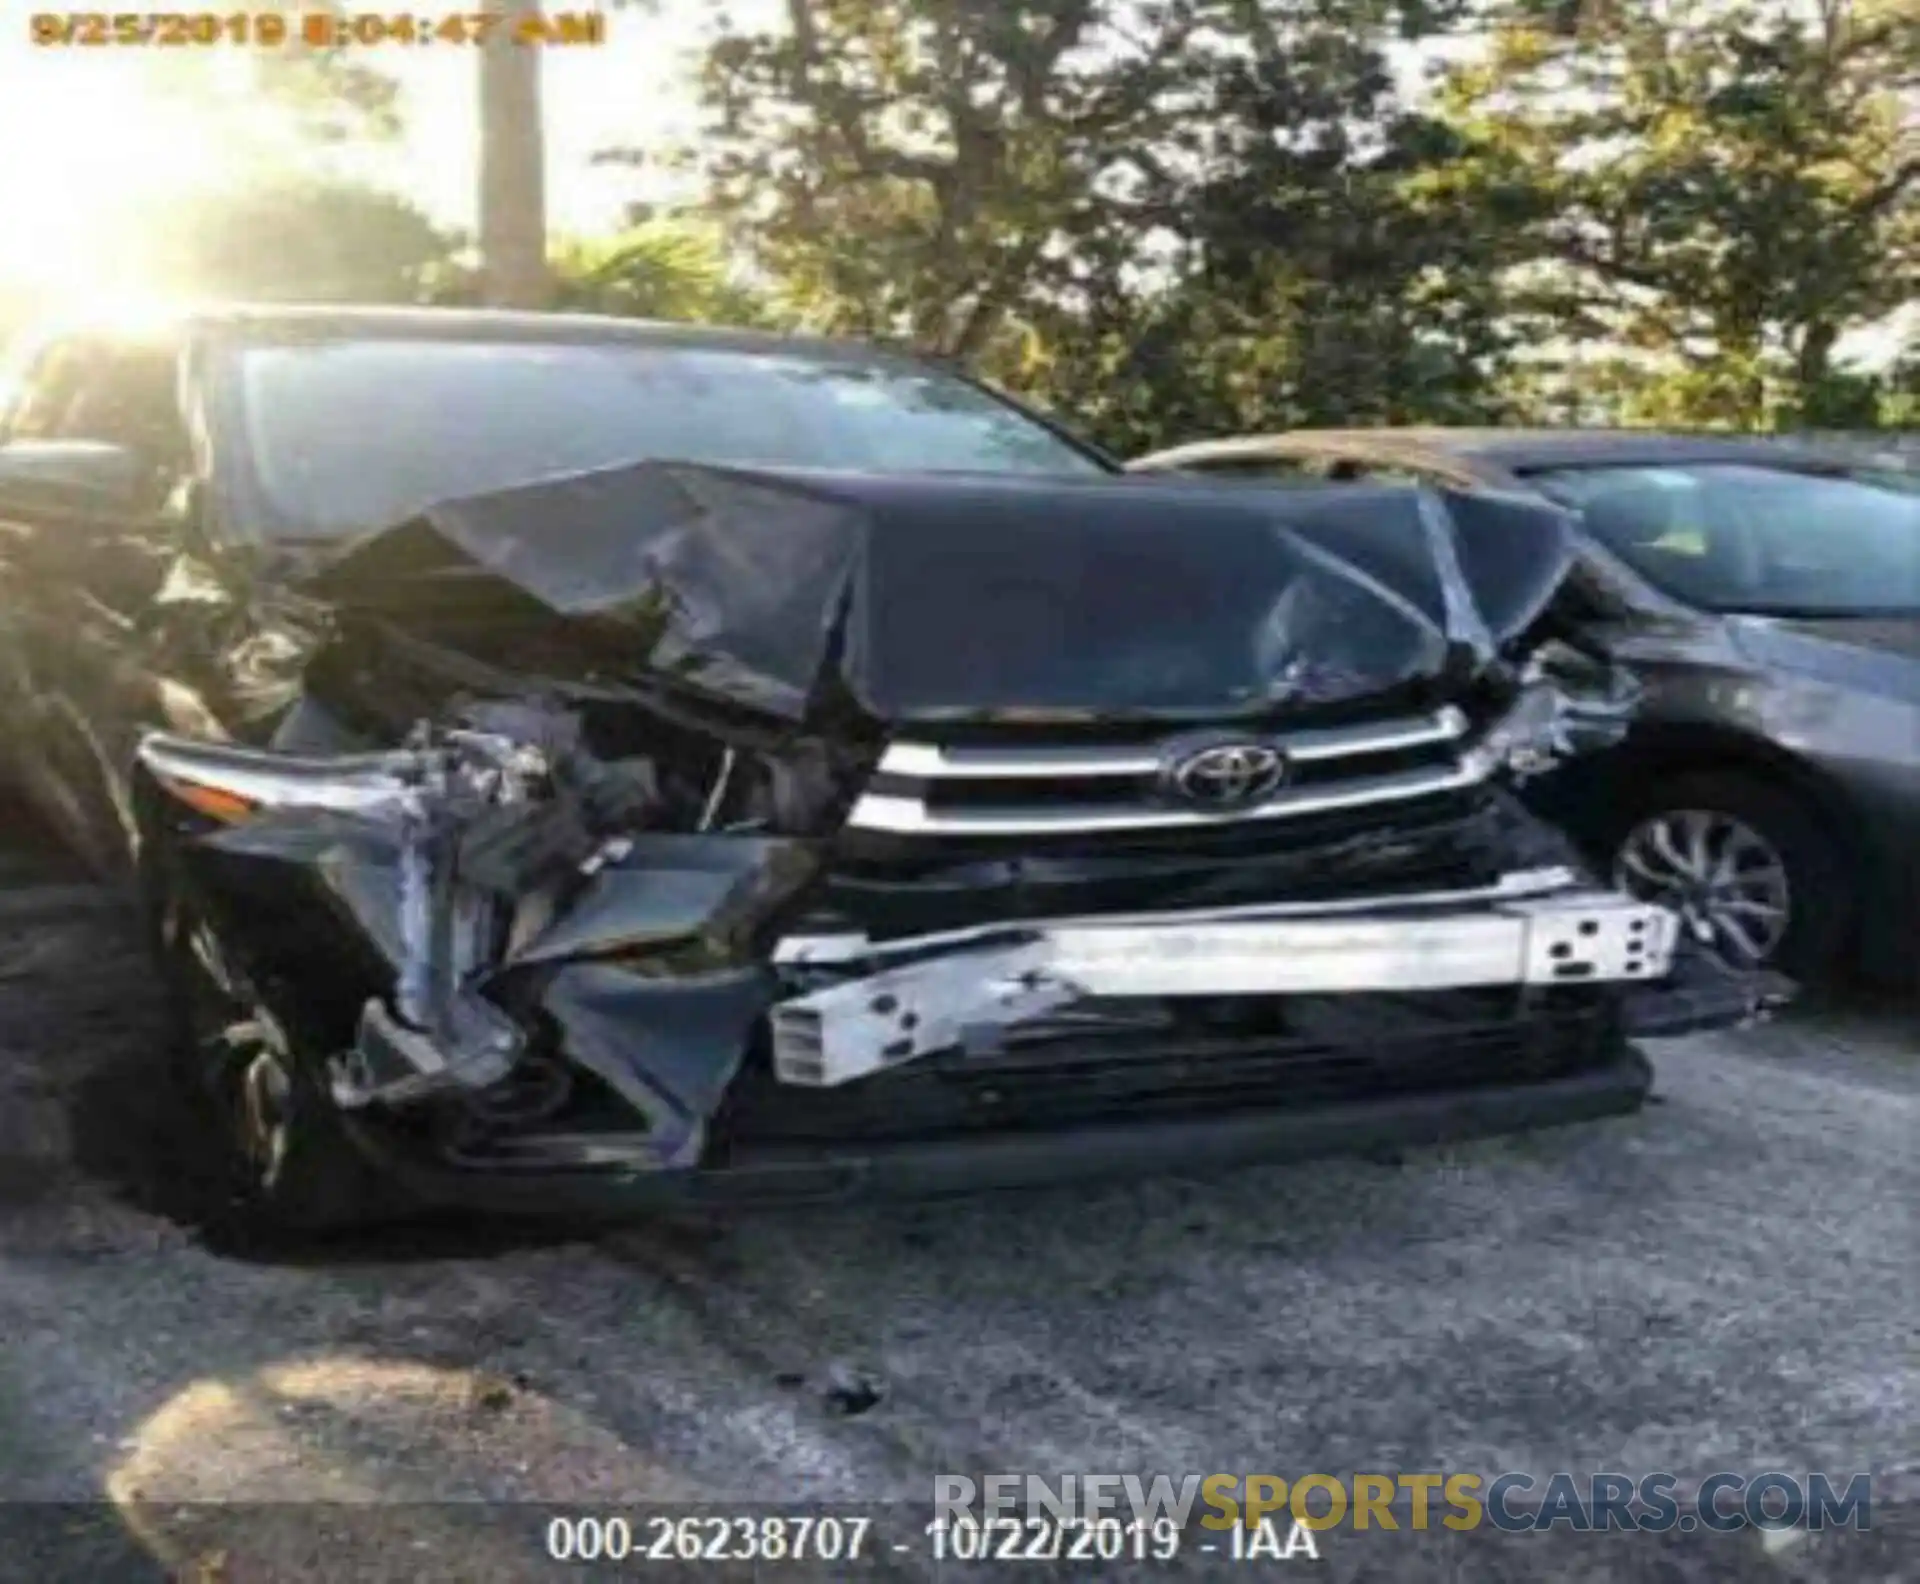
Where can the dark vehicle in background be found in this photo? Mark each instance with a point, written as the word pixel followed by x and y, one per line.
pixel 1768 596
pixel 567 762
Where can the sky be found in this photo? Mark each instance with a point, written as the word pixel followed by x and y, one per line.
pixel 78 124
pixel 77 127
pixel 631 90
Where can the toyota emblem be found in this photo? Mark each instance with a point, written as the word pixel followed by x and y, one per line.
pixel 1222 775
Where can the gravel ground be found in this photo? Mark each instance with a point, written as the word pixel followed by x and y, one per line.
pixel 1726 1281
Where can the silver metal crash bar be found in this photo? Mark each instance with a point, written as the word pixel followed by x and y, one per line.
pixel 892 1015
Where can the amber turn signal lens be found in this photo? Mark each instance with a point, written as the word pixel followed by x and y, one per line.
pixel 227 807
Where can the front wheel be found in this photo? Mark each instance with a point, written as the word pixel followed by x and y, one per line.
pixel 290 1163
pixel 1749 868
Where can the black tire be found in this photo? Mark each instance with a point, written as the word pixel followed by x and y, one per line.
pixel 311 1179
pixel 1821 879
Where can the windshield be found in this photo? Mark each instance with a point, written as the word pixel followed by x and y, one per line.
pixel 1744 537
pixel 347 436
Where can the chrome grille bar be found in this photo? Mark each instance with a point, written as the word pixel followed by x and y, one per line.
pixel 909 813
pixel 933 762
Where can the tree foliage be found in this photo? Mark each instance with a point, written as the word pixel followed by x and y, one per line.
pixel 1171 218
pixel 912 168
pixel 1167 214
pixel 657 269
pixel 1180 216
pixel 1722 186
pixel 1311 279
pixel 290 237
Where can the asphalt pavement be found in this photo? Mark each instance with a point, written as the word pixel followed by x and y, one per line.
pixel 1726 1281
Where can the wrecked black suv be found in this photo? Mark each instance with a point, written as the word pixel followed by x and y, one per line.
pixel 572 762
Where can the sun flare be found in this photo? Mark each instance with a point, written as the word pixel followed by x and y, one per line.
pixel 96 151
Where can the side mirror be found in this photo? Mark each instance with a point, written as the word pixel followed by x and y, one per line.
pixel 69 479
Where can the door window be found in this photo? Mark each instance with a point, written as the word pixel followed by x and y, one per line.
pixel 48 387
pixel 129 396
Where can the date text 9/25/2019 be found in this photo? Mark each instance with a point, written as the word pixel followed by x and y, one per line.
pixel 318 30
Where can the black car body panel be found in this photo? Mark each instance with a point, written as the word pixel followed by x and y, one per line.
pixel 789 826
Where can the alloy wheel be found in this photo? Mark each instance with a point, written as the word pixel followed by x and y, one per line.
pixel 1727 882
pixel 237 1054
pixel 265 1105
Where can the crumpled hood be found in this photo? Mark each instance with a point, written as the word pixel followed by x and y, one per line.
pixel 949 596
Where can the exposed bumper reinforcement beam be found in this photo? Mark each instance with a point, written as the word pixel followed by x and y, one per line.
pixel 961 998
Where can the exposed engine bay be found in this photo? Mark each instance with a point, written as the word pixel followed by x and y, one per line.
pixel 608 801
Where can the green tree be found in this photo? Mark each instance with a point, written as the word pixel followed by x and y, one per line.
pixel 1320 278
pixel 1900 391
pixel 1723 186
pixel 911 168
pixel 657 269
pixel 1164 214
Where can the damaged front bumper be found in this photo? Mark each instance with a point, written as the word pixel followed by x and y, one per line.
pixel 587 1019
pixel 965 1163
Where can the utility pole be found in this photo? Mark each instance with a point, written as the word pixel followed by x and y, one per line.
pixel 513 180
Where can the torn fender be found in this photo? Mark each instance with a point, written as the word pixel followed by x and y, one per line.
pixel 646 964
